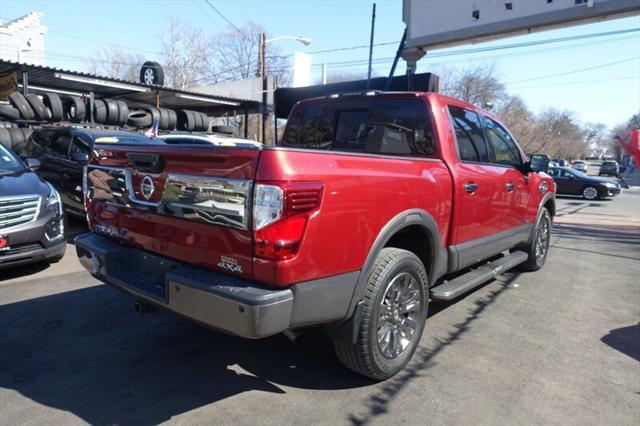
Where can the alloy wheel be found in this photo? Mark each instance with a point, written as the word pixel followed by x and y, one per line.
pixel 590 193
pixel 399 315
pixel 542 240
pixel 149 76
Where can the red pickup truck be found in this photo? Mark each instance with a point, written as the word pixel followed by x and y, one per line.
pixel 371 205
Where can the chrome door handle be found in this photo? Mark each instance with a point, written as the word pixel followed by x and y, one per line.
pixel 470 187
pixel 509 186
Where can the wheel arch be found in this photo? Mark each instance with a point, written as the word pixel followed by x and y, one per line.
pixel 399 232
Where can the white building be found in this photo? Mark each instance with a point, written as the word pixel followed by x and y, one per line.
pixel 22 39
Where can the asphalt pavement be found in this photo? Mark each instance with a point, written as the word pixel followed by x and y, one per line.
pixel 558 346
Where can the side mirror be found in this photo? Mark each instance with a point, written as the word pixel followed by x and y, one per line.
pixel 33 164
pixel 80 157
pixel 539 163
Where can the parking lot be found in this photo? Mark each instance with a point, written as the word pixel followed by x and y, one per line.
pixel 560 346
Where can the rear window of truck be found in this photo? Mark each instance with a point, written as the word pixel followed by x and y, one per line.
pixel 374 126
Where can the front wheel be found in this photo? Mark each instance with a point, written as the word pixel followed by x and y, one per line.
pixel 590 193
pixel 394 310
pixel 539 245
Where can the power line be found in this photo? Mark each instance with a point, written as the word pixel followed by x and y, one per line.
pixel 574 71
pixel 225 18
pixel 485 49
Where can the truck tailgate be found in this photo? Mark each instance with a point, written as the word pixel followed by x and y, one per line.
pixel 186 203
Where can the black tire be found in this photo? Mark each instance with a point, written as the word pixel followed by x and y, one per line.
pixel 173 119
pixel 204 121
pixel 164 119
pixel 74 109
pixel 5 137
pixel 186 120
pixel 112 111
pixel 123 113
pixel 20 103
pixel 17 139
pixel 7 111
pixel 151 73
pixel 155 114
pixel 99 111
pixel 366 356
pixel 535 261
pixel 591 193
pixel 139 119
pixel 37 106
pixel 225 130
pixel 53 102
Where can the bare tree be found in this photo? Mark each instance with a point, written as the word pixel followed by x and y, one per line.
pixel 187 55
pixel 476 84
pixel 236 55
pixel 116 63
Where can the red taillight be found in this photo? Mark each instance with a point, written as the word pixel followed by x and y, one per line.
pixel 280 228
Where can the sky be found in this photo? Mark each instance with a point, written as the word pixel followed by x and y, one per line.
pixel 597 78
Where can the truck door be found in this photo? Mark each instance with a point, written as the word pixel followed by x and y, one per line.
pixel 504 153
pixel 478 193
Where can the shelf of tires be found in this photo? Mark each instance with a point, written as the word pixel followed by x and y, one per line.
pixel 52 108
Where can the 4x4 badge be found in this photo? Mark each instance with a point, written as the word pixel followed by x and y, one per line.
pixel 147 187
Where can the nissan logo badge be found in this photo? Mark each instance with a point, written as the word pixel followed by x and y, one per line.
pixel 147 188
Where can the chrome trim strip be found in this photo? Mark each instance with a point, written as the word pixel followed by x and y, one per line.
pixel 214 200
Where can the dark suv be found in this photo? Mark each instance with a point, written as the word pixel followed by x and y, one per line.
pixel 609 168
pixel 31 217
pixel 64 151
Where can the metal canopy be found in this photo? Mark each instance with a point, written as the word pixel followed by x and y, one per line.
pixel 42 79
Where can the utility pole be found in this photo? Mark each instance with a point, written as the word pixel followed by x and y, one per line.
pixel 373 26
pixel 263 76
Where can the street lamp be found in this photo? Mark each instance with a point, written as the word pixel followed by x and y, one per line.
pixel 263 75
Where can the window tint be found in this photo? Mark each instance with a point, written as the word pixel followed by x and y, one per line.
pixel 503 147
pixel 377 126
pixel 469 135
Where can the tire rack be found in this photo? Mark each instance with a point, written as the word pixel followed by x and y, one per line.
pixel 242 108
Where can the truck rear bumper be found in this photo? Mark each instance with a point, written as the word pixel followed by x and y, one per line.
pixel 223 302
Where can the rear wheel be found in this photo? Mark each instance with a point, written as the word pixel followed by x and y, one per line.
pixel 394 310
pixel 539 245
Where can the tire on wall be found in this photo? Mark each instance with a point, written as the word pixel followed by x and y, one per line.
pixel 74 109
pixel 186 120
pixel 53 102
pixel 112 111
pixel 20 103
pixel 139 119
pixel 5 137
pixel 173 119
pixel 155 114
pixel 9 112
pixel 99 111
pixel 123 113
pixel 394 305
pixel 164 119
pixel 225 130
pixel 151 73
pixel 38 107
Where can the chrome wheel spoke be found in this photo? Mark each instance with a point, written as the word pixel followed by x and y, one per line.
pixel 398 314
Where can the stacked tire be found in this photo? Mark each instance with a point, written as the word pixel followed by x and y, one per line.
pixel 146 117
pixel 192 121
pixel 15 138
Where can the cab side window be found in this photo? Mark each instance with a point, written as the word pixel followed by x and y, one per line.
pixel 469 135
pixel 503 149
